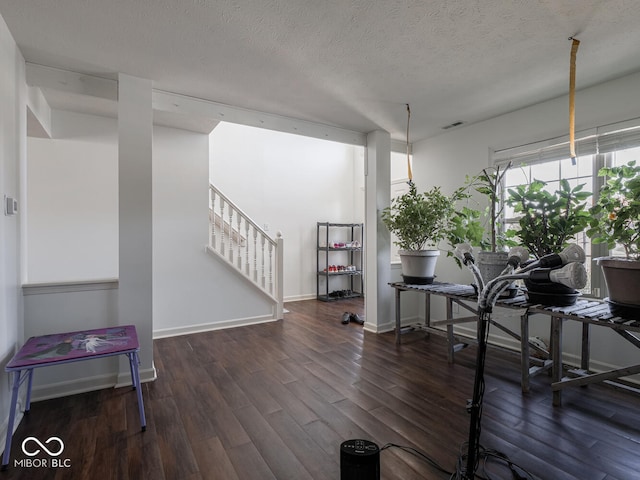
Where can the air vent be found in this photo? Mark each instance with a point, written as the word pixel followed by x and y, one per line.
pixel 454 124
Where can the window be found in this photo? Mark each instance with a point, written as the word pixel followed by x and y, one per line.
pixel 551 172
pixel 399 186
pixel 549 161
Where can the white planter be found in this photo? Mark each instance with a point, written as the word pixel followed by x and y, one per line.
pixel 491 264
pixel 419 267
pixel 623 282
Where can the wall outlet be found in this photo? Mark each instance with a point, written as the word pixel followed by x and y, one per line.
pixel 10 206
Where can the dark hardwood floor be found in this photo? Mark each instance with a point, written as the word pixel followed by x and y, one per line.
pixel 274 401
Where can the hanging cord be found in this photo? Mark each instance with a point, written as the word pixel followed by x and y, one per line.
pixel 572 100
pixel 483 455
pixel 409 173
pixel 419 454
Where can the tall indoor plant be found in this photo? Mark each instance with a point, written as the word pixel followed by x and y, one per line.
pixel 616 223
pixel 481 225
pixel 419 220
pixel 548 221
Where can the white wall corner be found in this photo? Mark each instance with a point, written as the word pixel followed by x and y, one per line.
pixel 38 114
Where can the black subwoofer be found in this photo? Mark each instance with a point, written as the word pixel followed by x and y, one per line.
pixel 359 460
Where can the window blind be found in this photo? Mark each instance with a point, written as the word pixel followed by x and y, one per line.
pixel 603 139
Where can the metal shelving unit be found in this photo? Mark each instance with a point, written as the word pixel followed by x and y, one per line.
pixel 339 242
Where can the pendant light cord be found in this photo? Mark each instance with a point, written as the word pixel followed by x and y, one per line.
pixel 572 100
pixel 409 173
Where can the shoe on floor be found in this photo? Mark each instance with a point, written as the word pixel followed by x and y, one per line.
pixel 345 318
pixel 356 318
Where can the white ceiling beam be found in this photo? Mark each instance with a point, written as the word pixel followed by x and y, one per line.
pixel 204 112
pixel 72 82
pixel 171 102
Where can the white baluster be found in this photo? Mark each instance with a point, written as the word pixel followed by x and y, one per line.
pixel 262 261
pixel 229 228
pixel 212 219
pixel 270 289
pixel 246 252
pixel 255 255
pixel 279 289
pixel 223 246
pixel 238 242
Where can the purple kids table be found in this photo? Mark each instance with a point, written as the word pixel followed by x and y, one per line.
pixel 61 348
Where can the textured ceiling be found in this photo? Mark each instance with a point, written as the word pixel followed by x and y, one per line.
pixel 348 63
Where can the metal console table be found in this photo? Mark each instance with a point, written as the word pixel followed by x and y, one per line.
pixel 588 312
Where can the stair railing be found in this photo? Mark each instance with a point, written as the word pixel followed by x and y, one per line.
pixel 238 240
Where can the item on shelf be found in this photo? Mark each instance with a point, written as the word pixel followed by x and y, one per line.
pixel 341 293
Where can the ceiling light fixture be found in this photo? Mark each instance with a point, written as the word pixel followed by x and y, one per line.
pixel 452 125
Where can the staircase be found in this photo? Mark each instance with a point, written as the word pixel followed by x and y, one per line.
pixel 241 243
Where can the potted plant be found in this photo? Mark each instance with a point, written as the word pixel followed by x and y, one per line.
pixel 419 220
pixel 616 223
pixel 548 222
pixel 482 227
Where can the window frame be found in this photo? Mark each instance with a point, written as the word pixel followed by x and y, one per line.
pixel 602 142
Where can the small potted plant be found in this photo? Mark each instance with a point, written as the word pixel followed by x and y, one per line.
pixel 615 222
pixel 419 220
pixel 548 222
pixel 482 227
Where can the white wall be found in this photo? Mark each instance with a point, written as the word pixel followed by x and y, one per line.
pixel 13 124
pixel 73 237
pixel 193 290
pixel 73 199
pixel 49 311
pixel 447 158
pixel 289 183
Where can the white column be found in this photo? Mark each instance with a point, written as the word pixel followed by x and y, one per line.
pixel 378 294
pixel 135 142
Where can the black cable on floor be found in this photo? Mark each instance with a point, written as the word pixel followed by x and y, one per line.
pixel 418 454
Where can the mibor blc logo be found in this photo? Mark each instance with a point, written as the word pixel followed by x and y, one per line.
pixel 53 446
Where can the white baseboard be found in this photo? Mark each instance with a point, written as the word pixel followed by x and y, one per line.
pixel 89 384
pixel 207 327
pixel 147 375
pixel 298 298
pixel 569 359
pixel 390 325
pixel 72 387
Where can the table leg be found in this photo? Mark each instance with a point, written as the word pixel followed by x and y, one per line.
pixel 135 380
pixel 398 333
pixel 27 407
pixel 556 348
pixel 450 339
pixel 585 354
pixel 524 352
pixel 427 309
pixel 12 416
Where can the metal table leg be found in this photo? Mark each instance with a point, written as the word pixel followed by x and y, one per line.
pixel 556 348
pixel 524 352
pixel 450 339
pixel 398 333
pixel 18 377
pixel 135 380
